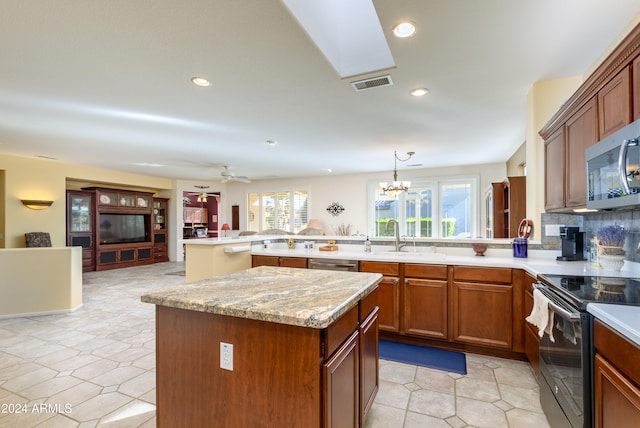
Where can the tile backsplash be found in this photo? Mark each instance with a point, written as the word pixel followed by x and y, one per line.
pixel 590 223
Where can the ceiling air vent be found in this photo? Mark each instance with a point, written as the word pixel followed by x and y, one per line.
pixel 373 82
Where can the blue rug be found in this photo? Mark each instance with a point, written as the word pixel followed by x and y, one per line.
pixel 424 356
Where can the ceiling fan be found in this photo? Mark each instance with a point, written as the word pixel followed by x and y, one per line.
pixel 227 175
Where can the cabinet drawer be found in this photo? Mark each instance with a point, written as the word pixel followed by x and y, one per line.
pixel 264 261
pixel 379 267
pixel 294 262
pixel 368 304
pixel 425 271
pixel 340 330
pixel 478 274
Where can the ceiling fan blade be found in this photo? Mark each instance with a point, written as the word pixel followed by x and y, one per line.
pixel 242 179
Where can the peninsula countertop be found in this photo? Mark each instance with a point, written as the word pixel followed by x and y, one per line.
pixel 301 297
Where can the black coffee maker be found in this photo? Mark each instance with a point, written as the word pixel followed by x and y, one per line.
pixel 572 244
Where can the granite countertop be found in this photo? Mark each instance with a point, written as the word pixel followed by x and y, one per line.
pixel 302 297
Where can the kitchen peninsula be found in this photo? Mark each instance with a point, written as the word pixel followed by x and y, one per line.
pixel 298 347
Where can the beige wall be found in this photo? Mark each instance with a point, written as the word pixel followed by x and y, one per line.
pixel 40 280
pixel 543 101
pixel 27 178
pixel 351 192
pixel 515 164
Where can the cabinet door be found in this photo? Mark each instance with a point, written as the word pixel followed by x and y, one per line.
pixel 294 262
pixel 483 314
pixel 635 86
pixel 264 261
pixel 582 132
pixel 389 302
pixel 554 171
pixel 368 363
pixel 388 293
pixel 425 307
pixel 614 103
pixel 342 382
pixel 617 399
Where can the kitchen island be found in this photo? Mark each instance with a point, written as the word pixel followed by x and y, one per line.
pixel 298 347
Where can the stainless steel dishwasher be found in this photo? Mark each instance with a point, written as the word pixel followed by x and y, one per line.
pixel 334 264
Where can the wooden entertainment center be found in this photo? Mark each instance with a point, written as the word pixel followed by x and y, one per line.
pixel 117 228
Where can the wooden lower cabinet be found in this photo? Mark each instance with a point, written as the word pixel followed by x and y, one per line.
pixel 342 382
pixel 617 399
pixel 388 293
pixel 264 261
pixel 616 379
pixel 482 311
pixel 295 262
pixel 425 301
pixel 369 380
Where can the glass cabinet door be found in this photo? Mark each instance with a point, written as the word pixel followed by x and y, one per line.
pixel 80 213
pixel 159 215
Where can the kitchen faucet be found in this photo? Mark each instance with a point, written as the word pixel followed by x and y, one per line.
pixel 399 244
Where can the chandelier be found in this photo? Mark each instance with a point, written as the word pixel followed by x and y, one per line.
pixel 397 186
pixel 202 197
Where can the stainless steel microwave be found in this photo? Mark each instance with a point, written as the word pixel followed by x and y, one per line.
pixel 613 169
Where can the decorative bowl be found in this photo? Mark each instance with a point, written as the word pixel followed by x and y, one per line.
pixel 480 249
pixel 607 262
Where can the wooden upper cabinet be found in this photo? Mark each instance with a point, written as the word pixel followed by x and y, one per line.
pixel 636 88
pixel 581 132
pixel 554 171
pixel 614 103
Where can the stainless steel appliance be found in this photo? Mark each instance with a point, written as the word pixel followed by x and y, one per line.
pixel 566 363
pixel 334 264
pixel 613 169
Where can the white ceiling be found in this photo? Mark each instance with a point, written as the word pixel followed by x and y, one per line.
pixel 106 83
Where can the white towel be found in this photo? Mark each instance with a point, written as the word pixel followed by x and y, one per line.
pixel 541 316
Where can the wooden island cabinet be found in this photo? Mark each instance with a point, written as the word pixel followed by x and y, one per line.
pixel 304 349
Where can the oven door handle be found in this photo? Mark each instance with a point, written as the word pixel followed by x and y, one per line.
pixel 564 313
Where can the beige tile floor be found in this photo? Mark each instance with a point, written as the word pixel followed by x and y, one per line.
pixel 96 367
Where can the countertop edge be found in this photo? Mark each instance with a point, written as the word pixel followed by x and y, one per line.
pixel 622 318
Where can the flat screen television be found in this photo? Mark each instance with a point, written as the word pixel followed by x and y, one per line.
pixel 118 228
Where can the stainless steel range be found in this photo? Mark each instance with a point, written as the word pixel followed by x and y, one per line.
pixel 566 362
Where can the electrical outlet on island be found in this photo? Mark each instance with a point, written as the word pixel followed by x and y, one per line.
pixel 226 356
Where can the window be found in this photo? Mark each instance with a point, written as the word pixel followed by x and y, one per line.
pixel 444 207
pixel 286 210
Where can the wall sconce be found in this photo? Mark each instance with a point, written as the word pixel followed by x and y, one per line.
pixel 225 227
pixel 35 204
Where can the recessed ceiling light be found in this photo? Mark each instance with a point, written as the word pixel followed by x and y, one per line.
pixel 329 170
pixel 200 81
pixel 272 142
pixel 147 164
pixel 404 29
pixel 419 92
